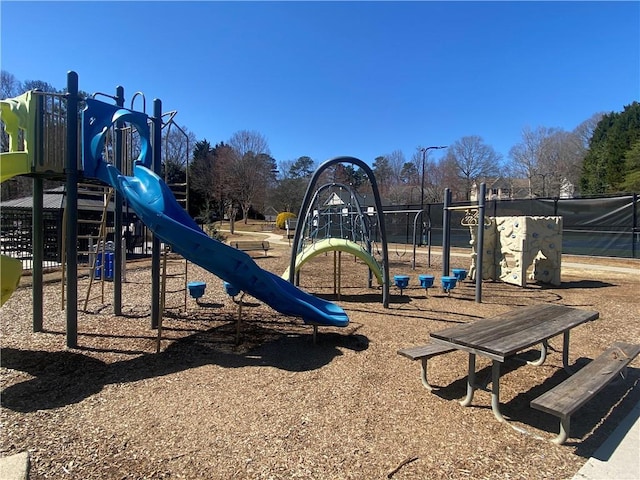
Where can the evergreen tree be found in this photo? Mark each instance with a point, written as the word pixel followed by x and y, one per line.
pixel 606 167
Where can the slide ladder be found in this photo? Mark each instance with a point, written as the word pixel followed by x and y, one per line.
pixel 93 234
pixel 165 276
pixel 181 194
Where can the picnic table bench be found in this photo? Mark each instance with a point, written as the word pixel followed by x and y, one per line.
pixel 504 335
pixel 424 353
pixel 567 397
pixel 251 245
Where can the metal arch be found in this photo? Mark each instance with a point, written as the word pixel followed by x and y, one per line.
pixel 376 194
pixel 144 101
pixel 352 195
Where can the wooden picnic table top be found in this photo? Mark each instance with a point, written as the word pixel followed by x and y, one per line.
pixel 506 334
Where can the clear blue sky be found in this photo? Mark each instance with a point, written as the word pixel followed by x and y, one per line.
pixel 337 78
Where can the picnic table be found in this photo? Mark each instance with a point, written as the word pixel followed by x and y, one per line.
pixel 504 335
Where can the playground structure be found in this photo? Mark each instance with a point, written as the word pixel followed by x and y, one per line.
pixel 329 223
pixel 18 116
pixel 503 248
pixel 513 244
pixel 338 245
pixel 66 152
pixel 406 227
pixel 11 271
pixel 401 281
pixel 426 281
pixel 471 220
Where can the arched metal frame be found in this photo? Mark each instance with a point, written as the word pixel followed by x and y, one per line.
pixel 356 204
pixel 306 202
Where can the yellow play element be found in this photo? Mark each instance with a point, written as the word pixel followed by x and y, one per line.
pixel 337 244
pixel 18 115
pixel 14 163
pixel 10 273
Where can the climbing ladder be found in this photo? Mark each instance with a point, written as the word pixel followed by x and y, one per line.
pixel 166 251
pixel 92 232
pixel 180 191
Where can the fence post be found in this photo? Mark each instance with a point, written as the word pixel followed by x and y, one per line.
pixel 634 224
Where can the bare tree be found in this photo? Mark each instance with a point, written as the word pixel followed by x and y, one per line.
pixel 585 130
pixel 209 178
pixel 438 174
pixel 250 177
pixel 527 155
pixel 252 171
pixel 413 177
pixel 472 159
pixel 550 157
pixel 560 162
pixel 246 141
pixel 9 85
pixel 396 163
pixel 176 143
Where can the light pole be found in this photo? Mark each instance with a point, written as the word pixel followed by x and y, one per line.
pixel 544 176
pixel 424 156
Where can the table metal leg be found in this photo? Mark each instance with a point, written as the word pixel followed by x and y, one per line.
pixel 565 423
pixel 565 353
pixel 543 354
pixel 471 381
pixel 423 375
pixel 495 390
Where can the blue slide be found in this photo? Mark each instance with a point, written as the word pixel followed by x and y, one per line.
pixel 155 204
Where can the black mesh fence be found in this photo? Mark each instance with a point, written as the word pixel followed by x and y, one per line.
pixel 603 226
pixel 16 236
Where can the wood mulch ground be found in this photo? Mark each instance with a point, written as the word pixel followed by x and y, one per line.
pixel 279 406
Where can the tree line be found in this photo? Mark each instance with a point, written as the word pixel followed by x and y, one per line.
pixel 239 178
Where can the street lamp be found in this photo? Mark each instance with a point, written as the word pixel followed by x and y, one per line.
pixel 424 156
pixel 544 176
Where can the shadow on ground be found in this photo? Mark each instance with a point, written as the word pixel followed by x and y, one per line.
pixel 581 284
pixel 588 429
pixel 65 377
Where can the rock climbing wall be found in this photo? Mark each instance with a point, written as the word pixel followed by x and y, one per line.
pixel 513 244
pixel 526 241
pixel 490 241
